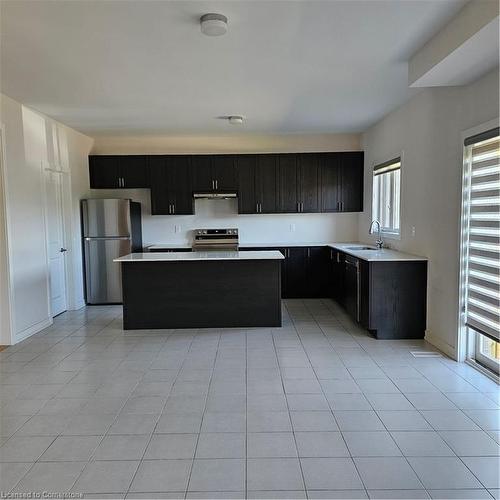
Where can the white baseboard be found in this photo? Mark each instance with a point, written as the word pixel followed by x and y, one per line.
pixel 448 349
pixel 28 332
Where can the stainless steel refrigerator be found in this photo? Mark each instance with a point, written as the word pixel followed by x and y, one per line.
pixel 111 229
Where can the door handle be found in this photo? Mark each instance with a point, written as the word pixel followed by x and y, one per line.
pixel 63 250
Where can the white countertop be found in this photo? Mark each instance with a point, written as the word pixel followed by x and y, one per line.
pixel 194 256
pixel 385 254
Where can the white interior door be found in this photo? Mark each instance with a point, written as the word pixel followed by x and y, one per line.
pixel 56 247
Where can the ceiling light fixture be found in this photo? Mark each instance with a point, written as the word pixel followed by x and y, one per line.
pixel 235 120
pixel 213 24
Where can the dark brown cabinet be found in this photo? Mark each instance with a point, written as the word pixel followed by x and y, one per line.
pixel 299 183
pixel 265 183
pixel 171 191
pixel 388 298
pixel 308 194
pixel 118 172
pixel 257 184
pixel 213 173
pixel 288 184
pixel 342 182
pixel 351 197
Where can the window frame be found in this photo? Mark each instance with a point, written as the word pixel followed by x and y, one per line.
pixel 388 232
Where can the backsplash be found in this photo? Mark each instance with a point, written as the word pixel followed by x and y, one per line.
pixel 262 228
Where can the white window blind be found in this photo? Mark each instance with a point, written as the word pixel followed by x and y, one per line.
pixel 386 195
pixel 482 238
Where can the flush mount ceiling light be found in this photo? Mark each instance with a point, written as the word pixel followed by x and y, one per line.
pixel 235 120
pixel 213 24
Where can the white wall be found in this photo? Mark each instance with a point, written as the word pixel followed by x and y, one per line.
pixel 234 143
pixel 427 131
pixel 265 229
pixel 34 142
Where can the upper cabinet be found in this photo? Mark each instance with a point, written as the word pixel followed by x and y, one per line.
pixel 118 172
pixel 214 173
pixel 265 183
pixel 257 184
pixel 342 182
pixel 299 183
pixel 171 187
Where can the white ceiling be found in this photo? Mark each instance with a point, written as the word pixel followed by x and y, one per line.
pixel 132 67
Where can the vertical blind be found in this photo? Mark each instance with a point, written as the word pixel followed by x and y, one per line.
pixel 482 233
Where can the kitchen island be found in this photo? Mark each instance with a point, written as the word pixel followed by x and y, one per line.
pixel 214 289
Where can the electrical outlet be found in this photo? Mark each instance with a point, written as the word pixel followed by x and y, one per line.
pixel 292 228
pixel 413 231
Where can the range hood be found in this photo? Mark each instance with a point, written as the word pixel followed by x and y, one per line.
pixel 210 195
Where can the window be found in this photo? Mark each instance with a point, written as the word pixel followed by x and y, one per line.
pixel 481 247
pixel 387 197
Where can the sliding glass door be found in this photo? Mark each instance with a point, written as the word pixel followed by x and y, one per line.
pixel 480 273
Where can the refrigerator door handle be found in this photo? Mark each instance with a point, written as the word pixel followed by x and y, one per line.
pixel 90 238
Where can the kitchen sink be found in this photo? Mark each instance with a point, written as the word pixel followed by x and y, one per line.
pixel 360 248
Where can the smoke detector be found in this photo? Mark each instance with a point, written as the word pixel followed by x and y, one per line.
pixel 213 24
pixel 235 120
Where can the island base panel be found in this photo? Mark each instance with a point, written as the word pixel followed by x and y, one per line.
pixel 201 294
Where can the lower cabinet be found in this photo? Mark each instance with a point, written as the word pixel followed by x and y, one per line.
pixel 388 298
pixel 304 271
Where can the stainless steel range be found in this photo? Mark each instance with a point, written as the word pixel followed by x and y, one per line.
pixel 215 239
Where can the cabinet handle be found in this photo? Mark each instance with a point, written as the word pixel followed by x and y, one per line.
pixel 302 206
pixel 260 208
pixel 213 184
pixel 169 209
pixel 298 207
pixel 308 252
pixel 216 184
pixel 123 182
pixel 173 208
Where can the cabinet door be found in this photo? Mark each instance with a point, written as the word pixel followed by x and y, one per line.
pixel 133 171
pixel 103 172
pixel 160 200
pixel 351 284
pixel 267 183
pixel 201 171
pixel 246 167
pixel 296 272
pixel 179 186
pixel 331 179
pixel 352 182
pixel 288 184
pixel 224 171
pixel 308 168
pixel 338 274
pixel 317 272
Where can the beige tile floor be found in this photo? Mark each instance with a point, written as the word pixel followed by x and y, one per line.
pixel 315 409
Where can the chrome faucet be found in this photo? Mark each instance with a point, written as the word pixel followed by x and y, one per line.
pixel 380 241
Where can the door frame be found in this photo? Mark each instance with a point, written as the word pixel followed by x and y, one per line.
pixel 466 341
pixel 6 337
pixel 65 229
